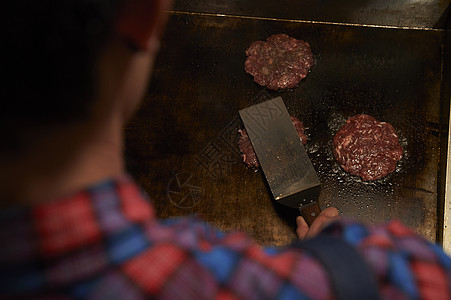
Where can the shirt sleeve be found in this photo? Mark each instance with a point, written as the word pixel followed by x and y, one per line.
pixel 196 260
pixel 231 265
pixel 406 265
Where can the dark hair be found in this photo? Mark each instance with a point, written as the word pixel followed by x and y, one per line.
pixel 48 59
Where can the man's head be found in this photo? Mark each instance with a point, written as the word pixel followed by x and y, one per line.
pixel 50 53
pixel 75 72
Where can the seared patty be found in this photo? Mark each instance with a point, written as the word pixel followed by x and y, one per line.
pixel 367 148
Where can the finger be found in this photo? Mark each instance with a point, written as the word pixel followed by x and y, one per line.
pixel 326 217
pixel 330 212
pixel 302 227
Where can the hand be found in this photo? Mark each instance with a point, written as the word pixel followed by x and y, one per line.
pixel 326 217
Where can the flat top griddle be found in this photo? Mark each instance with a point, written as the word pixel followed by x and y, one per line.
pixel 182 144
pixel 401 13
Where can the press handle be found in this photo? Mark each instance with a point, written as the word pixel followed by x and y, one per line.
pixel 309 212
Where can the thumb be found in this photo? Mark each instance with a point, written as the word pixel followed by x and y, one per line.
pixel 302 227
pixel 326 217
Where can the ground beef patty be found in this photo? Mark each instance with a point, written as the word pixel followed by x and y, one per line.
pixel 247 151
pixel 367 148
pixel 279 63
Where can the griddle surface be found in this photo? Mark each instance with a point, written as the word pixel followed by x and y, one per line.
pixel 181 146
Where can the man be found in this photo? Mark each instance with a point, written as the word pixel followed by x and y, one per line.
pixel 73 225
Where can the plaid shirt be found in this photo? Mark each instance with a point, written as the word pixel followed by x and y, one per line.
pixel 104 243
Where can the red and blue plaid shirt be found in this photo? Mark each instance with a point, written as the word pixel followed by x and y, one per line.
pixel 105 243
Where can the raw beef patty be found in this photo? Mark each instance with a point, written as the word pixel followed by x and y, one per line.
pixel 279 63
pixel 367 148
